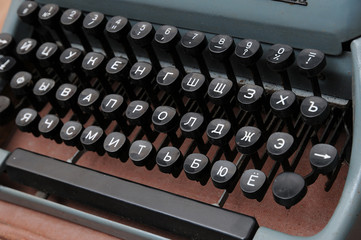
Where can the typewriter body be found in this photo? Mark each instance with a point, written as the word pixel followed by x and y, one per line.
pixel 275 86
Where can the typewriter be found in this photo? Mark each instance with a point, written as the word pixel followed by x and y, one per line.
pixel 199 119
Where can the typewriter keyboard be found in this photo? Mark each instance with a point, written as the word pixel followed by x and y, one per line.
pixel 158 125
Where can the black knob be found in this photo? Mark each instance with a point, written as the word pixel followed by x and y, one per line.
pixel 92 139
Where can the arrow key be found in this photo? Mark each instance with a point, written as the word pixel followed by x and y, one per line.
pixel 324 158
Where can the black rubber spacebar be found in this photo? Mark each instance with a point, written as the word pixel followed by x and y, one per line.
pixel 131 200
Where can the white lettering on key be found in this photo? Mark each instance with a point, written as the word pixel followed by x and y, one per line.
pixel 282 100
pixel 312 107
pixel 222 171
pixel 195 163
pixel 219 88
pixel 46 51
pixel 65 92
pixel 112 100
pixel 280 143
pixel 219 125
pixel 247 136
pixel 137 108
pixel 192 82
pixel 165 115
pixel 191 119
pixel 252 179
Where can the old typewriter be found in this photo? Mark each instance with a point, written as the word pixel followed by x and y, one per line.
pixel 200 119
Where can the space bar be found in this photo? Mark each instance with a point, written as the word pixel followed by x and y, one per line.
pixel 128 199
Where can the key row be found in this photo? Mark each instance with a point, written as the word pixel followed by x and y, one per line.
pixel 248 51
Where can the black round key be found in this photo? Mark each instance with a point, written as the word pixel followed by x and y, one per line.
pixel 248 52
pixel 50 126
pixel 70 134
pixel 223 175
pixel 6 110
pixel 141 74
pixel 89 101
pixel 197 167
pixel 72 20
pixel 312 62
pixel 48 55
pixel 116 145
pixel 169 160
pixel 21 83
pixel 165 119
pixel 221 47
pixel 254 184
pixel 113 107
pixel 283 103
pixel 279 57
pixel 167 37
pixel 219 132
pixel 248 140
pixel 193 43
pixel 94 24
pixel 324 158
pixel 118 28
pixel 26 49
pixel 250 98
pixel 7 43
pixel 71 59
pixel 142 33
pixel 169 79
pixel 28 12
pixel 118 69
pixel 27 120
pixel 288 189
pixel 92 139
pixel 192 125
pixel 67 95
pixel 7 67
pixel 280 146
pixel 220 92
pixel 142 153
pixel 140 113
pixel 94 65
pixel 49 16
pixel 314 110
pixel 194 86
pixel 45 91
